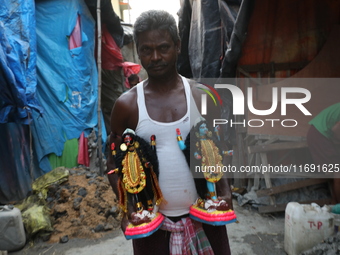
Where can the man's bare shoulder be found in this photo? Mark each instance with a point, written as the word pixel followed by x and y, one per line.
pixel 127 99
pixel 192 83
pixel 197 88
pixel 125 112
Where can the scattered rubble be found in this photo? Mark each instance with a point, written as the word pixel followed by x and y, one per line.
pixel 330 246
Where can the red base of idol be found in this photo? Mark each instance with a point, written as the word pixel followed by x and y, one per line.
pixel 216 218
pixel 145 229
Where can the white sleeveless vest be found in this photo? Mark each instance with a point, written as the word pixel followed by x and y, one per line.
pixel 175 178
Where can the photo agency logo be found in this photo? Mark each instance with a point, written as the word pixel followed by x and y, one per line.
pixel 239 104
pixel 213 95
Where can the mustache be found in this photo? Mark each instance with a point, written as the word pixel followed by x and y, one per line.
pixel 152 65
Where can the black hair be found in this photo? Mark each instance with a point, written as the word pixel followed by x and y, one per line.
pixel 133 77
pixel 156 20
pixel 144 151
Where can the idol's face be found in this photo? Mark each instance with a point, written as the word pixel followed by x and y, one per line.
pixel 128 139
pixel 203 129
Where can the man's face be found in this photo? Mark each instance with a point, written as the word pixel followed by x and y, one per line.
pixel 157 52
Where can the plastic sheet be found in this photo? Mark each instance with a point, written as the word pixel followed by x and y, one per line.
pixel 69 156
pixel 205 38
pixel 17 61
pixel 110 18
pixel 83 152
pixel 56 176
pixel 15 172
pixel 183 63
pixel 37 219
pixel 233 52
pixel 15 180
pixel 67 78
pixel 112 57
pixel 205 29
pixel 128 69
pixel 35 213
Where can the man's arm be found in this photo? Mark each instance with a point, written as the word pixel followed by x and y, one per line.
pixel 124 115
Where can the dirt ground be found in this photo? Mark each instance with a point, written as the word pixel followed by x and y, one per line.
pixel 254 234
pixel 84 211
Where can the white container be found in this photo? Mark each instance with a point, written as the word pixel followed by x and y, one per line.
pixel 12 233
pixel 306 226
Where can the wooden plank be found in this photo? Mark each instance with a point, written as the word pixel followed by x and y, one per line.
pixel 276 146
pixel 281 159
pixel 285 138
pixel 264 161
pixel 250 140
pixel 289 186
pixel 235 162
pixel 257 175
pixel 282 207
pixel 242 159
pixel 270 141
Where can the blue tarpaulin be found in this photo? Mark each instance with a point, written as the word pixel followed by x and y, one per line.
pixel 48 79
pixel 17 61
pixel 67 74
pixel 18 100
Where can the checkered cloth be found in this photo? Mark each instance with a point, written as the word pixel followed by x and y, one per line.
pixel 187 237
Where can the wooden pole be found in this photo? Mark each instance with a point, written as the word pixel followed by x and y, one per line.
pixel 99 64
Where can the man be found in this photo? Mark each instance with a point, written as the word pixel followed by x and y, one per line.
pixel 158 106
pixel 323 138
pixel 133 80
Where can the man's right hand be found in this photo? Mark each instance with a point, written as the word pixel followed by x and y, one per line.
pixel 124 223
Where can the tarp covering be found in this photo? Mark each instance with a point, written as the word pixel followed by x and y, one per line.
pixel 17 98
pixel 15 177
pixel 17 61
pixel 110 19
pixel 205 30
pixel 67 75
pixel 237 37
pixel 115 73
pixel 112 58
